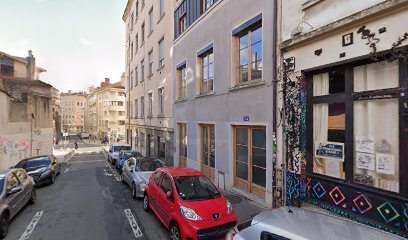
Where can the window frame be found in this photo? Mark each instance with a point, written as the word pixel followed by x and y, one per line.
pixel 142 71
pixel 151 21
pixel 182 24
pixel 206 55
pixel 142 107
pixel 150 104
pixel 182 128
pixel 161 100
pixel 349 98
pixel 161 52
pixel 150 62
pixel 162 7
pixel 182 82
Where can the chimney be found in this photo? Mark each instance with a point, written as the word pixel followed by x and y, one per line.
pixel 30 66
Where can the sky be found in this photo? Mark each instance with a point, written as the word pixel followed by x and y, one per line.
pixel 78 42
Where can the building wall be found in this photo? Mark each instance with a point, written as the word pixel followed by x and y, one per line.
pixel 158 125
pixel 332 21
pixel 229 105
pixel 73 115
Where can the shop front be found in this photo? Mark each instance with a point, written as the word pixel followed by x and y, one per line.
pixel 346 122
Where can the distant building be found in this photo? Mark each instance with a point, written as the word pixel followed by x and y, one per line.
pixel 73 112
pixel 149 77
pixel 105 112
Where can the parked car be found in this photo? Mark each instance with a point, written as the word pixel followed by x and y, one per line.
pixel 43 169
pixel 188 204
pixel 301 224
pixel 16 190
pixel 137 172
pixel 115 149
pixel 125 155
pixel 84 135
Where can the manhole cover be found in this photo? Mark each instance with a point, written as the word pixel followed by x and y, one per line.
pixel 233 199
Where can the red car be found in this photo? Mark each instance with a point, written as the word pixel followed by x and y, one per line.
pixel 188 204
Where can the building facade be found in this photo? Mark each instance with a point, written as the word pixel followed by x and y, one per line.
pixel 149 77
pixel 106 111
pixel 73 112
pixel 344 87
pixel 223 104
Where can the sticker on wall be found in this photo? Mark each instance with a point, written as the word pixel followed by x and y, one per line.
pixel 365 144
pixel 385 163
pixel 332 150
pixel 289 64
pixel 347 39
pixel 365 161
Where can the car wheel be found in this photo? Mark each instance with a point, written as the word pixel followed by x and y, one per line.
pixel 133 190
pixel 33 197
pixel 52 179
pixel 4 225
pixel 175 232
pixel 146 205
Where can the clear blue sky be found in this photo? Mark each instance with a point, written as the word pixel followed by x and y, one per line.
pixel 78 42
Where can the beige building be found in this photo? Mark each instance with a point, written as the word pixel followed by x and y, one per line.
pixel 19 68
pixel 106 110
pixel 149 77
pixel 345 107
pixel 73 112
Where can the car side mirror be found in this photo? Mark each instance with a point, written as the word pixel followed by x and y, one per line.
pixel 15 190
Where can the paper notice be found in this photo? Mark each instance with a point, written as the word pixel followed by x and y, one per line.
pixel 365 161
pixel 385 163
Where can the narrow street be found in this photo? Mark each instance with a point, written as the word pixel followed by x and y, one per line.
pixel 86 202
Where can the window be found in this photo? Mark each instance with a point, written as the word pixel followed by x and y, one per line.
pixel 183 139
pixel 136 76
pixel 143 33
pixel 132 21
pixel 136 43
pixel 206 4
pixel 137 9
pixel 142 107
pixel 183 24
pixel 12 182
pixel 182 82
pixel 208 150
pixel 250 159
pixel 351 141
pixel 7 67
pixel 151 21
pixel 162 8
pixel 150 58
pixel 131 80
pixel 161 100
pixel 207 72
pixel 249 50
pixel 143 3
pixel 142 73
pixel 161 52
pixel 131 50
pixel 166 185
pixel 142 141
pixel 136 108
pixel 150 104
pixel 131 110
pixel 157 178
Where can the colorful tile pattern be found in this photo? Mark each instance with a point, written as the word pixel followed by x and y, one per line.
pixel 388 212
pixel 337 196
pixel 362 204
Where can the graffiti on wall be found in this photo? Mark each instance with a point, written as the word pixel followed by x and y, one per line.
pixel 363 207
pixel 13 149
pixel 43 141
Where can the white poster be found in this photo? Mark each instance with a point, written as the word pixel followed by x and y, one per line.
pixel 365 144
pixel 365 161
pixel 333 168
pixel 385 163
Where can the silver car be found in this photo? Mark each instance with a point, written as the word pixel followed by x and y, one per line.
pixel 16 190
pixel 137 171
pixel 304 224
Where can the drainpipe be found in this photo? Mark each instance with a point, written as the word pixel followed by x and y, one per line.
pixel 274 99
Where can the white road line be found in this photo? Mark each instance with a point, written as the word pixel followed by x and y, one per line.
pixel 88 161
pixel 30 228
pixel 133 224
pixel 113 172
pixel 66 170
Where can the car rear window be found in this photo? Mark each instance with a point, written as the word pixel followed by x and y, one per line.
pixel 121 148
pixel 148 165
pixel 37 162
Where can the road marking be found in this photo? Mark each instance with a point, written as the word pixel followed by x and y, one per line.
pixel 30 228
pixel 66 170
pixel 133 224
pixel 87 161
pixel 113 172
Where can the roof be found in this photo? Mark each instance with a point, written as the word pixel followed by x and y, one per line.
pixel 181 172
pixel 20 59
pixel 15 87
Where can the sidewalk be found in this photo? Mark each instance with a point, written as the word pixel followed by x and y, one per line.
pixel 244 208
pixel 64 155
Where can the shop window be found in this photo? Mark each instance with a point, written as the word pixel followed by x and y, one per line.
pixel 356 124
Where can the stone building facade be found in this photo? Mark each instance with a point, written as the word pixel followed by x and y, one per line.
pixel 73 112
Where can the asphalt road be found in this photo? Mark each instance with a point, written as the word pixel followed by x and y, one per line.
pixel 86 202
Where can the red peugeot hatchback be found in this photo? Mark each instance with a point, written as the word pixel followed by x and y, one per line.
pixel 188 204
